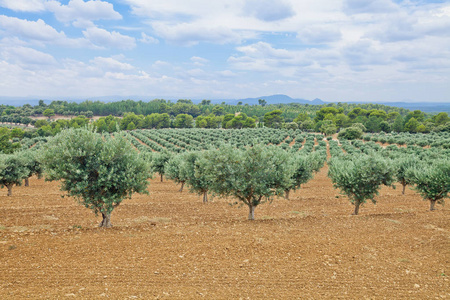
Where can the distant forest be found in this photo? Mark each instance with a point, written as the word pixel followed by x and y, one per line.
pixel 159 113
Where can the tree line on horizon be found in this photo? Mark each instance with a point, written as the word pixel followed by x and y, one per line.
pixel 327 119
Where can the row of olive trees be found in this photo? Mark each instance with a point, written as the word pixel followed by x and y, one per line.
pixel 252 175
pixel 18 168
pixel 360 177
pixel 102 170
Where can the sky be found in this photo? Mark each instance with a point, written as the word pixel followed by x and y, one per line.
pixel 335 50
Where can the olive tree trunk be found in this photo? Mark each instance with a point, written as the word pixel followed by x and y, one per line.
pixel 357 204
pixel 182 186
pixel 162 177
pixel 9 187
pixel 286 194
pixel 205 197
pixel 432 203
pixel 106 222
pixel 251 212
pixel 27 182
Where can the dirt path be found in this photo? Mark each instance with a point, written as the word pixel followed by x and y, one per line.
pixel 171 245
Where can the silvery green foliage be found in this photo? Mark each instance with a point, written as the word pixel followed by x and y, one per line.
pixel 304 166
pixel 12 170
pixel 159 161
pixel 175 169
pixel 98 170
pixel 253 175
pixel 402 165
pixel 360 176
pixel 31 160
pixel 432 180
pixel 193 170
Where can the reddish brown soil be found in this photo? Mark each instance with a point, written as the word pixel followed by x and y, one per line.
pixel 171 245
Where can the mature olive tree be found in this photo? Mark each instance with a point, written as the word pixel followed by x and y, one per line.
pixel 100 171
pixel 253 175
pixel 12 171
pixel 432 181
pixel 360 177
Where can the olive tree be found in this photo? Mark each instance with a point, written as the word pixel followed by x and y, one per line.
pixel 30 158
pixel 174 169
pixel 303 172
pixel 432 181
pixel 12 171
pixel 159 161
pixel 194 173
pixel 402 165
pixel 253 175
pixel 360 177
pixel 100 171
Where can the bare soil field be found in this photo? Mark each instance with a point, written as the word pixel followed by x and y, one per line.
pixel 169 245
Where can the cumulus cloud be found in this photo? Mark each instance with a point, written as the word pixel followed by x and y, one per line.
pixel 111 64
pixel 23 5
pixel 25 57
pixel 369 6
pixel 146 39
pixel 103 38
pixel 78 10
pixel 34 30
pixel 38 32
pixel 188 34
pixel 199 61
pixel 262 56
pixel 268 10
pixel 319 34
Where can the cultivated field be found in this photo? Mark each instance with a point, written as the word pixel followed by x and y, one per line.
pixel 171 245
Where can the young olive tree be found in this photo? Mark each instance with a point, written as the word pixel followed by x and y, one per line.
pixel 361 177
pixel 30 159
pixel 253 175
pixel 12 171
pixel 159 161
pixel 100 171
pixel 303 172
pixel 432 181
pixel 174 169
pixel 402 165
pixel 194 172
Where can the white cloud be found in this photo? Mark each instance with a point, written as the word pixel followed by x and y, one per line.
pixel 103 38
pixel 34 30
pixel 27 58
pixel 199 61
pixel 78 10
pixel 110 64
pixel 146 39
pixel 319 34
pixel 38 32
pixel 268 10
pixel 23 5
pixel 369 6
pixel 187 34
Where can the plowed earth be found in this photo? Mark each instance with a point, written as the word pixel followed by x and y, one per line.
pixel 170 245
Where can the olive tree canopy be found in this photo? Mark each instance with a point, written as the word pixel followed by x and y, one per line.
pixel 100 171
